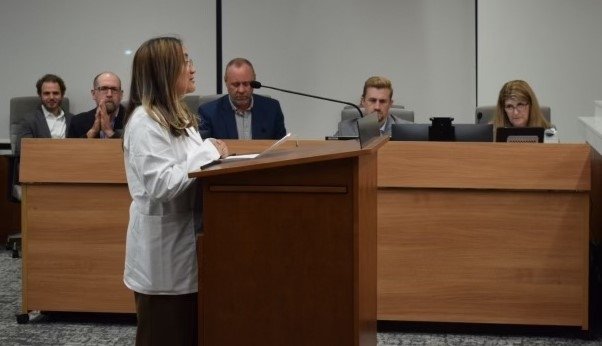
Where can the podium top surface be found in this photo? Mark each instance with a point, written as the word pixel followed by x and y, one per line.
pixel 293 152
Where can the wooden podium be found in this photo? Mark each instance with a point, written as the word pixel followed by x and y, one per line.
pixel 288 255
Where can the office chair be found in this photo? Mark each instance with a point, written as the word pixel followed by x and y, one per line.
pixel 208 98
pixel 487 113
pixel 19 107
pixel 193 102
pixel 398 111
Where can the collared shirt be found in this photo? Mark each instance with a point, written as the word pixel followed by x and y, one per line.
pixel 386 127
pixel 56 123
pixel 383 129
pixel 243 120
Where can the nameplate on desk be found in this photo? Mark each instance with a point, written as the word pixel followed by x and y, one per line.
pixel 340 138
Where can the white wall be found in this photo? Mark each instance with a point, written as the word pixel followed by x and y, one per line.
pixel 329 48
pixel 77 39
pixel 324 47
pixel 555 45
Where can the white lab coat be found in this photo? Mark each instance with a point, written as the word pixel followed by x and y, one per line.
pixel 161 244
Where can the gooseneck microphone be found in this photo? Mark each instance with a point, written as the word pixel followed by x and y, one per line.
pixel 256 85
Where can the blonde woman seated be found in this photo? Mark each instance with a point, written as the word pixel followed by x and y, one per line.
pixel 517 106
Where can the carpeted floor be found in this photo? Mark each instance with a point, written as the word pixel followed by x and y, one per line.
pixel 55 329
pixel 111 329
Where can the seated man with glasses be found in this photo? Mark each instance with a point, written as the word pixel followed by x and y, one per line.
pixel 106 120
pixel 517 106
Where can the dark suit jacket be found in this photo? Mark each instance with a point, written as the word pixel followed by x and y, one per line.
pixel 267 122
pixel 34 125
pixel 81 124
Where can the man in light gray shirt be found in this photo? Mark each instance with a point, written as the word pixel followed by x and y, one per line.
pixel 377 98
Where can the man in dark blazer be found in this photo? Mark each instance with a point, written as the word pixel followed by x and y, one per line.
pixel 240 114
pixel 49 120
pixel 106 120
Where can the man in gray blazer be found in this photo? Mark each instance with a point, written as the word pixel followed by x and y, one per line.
pixel 377 98
pixel 49 120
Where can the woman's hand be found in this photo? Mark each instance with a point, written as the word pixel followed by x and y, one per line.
pixel 221 147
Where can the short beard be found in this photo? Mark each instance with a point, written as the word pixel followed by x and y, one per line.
pixel 110 106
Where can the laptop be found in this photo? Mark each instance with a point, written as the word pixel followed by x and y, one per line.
pixel 235 157
pixel 519 134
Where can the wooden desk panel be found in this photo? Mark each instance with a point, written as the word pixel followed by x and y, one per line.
pixel 482 256
pixel 484 232
pixel 74 248
pixel 474 165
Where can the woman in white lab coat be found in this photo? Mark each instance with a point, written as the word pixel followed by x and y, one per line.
pixel 161 145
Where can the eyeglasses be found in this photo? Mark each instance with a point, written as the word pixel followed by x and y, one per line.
pixel 521 107
pixel 105 89
pixel 189 63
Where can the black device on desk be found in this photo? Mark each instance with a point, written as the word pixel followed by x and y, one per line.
pixel 441 129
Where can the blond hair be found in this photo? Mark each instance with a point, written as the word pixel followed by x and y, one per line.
pixel 156 67
pixel 378 83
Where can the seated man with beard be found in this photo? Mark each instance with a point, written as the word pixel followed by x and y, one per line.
pixel 49 120
pixel 106 120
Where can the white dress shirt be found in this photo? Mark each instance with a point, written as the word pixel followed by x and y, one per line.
pixel 56 123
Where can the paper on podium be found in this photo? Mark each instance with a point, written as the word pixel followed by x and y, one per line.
pixel 239 157
pixel 232 158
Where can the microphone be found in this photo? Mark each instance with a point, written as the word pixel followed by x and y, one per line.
pixel 479 116
pixel 256 85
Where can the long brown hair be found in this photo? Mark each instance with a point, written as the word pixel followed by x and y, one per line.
pixel 157 65
pixel 521 91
